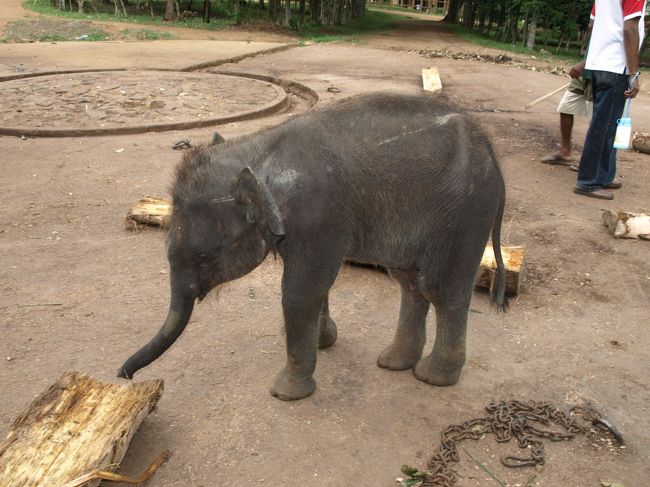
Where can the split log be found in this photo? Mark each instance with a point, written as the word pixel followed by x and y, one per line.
pixel 149 211
pixel 77 425
pixel 627 225
pixel 513 260
pixel 641 142
pixel 431 80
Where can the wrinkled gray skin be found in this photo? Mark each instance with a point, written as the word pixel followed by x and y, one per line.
pixel 408 183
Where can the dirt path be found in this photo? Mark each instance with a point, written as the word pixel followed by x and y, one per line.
pixel 79 292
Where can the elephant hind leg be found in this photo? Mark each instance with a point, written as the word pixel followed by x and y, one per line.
pixel 406 348
pixel 326 327
pixel 449 288
pixel 443 365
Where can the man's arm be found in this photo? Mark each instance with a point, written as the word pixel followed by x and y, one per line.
pixel 631 41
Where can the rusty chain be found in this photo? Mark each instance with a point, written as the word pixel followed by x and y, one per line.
pixel 506 420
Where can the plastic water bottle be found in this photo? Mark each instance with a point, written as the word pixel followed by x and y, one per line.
pixel 623 133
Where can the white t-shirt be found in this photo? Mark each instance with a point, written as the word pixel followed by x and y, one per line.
pixel 606 48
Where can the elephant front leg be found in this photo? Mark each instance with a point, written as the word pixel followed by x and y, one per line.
pixel 301 320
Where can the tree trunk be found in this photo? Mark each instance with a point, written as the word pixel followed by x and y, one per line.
pixel 453 13
pixel 170 10
pixel 206 11
pixel 287 12
pixel 468 17
pixel 532 29
pixel 302 12
pixel 81 6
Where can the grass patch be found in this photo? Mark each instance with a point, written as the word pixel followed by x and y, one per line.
pixel 373 21
pixel 52 30
pixel 145 34
pixel 44 7
pixel 485 41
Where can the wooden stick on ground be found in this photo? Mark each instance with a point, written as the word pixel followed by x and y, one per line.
pixel 77 425
pixel 116 477
pixel 547 95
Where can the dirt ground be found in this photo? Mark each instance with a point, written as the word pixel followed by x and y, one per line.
pixel 79 292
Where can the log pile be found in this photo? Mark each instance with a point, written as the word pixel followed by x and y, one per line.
pixel 78 425
pixel 157 211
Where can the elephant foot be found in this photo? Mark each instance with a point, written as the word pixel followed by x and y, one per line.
pixel 288 388
pixel 434 372
pixel 399 358
pixel 327 334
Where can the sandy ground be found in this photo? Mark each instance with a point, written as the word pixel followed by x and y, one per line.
pixel 79 292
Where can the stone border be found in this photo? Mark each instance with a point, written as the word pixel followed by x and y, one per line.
pixel 281 103
pixel 236 59
pixel 292 87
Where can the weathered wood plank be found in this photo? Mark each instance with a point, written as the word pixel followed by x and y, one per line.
pixel 431 80
pixel 77 425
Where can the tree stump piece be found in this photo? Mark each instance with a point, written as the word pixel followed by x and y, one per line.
pixel 627 225
pixel 149 211
pixel 513 260
pixel 77 425
pixel 641 142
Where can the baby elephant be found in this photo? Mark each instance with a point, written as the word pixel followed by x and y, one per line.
pixel 406 182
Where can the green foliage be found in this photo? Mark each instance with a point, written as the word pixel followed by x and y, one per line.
pixel 560 25
pixel 137 14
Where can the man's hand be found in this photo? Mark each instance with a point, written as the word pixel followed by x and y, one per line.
pixel 577 70
pixel 634 87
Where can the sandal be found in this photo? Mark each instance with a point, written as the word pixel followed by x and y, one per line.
pixel 556 158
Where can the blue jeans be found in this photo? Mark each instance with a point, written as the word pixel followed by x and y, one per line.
pixel 598 161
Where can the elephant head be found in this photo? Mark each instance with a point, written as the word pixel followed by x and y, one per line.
pixel 212 240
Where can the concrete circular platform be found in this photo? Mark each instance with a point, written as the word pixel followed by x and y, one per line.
pixel 121 102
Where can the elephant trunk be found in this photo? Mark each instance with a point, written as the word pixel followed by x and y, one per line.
pixel 180 310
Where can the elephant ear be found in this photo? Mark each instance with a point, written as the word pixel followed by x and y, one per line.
pixel 251 191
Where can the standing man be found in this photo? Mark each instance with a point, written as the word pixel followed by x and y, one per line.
pixel 577 100
pixel 613 60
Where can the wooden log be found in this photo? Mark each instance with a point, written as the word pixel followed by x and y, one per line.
pixel 77 425
pixel 641 142
pixel 513 260
pixel 149 211
pixel 627 225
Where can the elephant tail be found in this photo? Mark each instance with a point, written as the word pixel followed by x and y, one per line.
pixel 498 286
